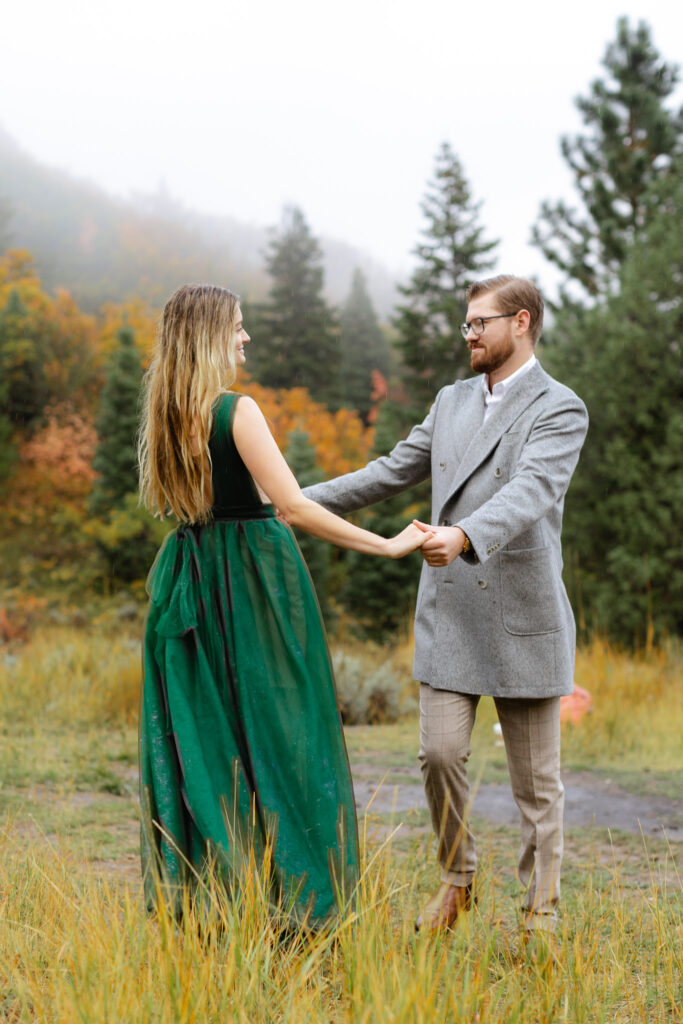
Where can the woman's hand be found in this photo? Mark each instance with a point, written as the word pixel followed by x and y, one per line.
pixel 444 545
pixel 406 541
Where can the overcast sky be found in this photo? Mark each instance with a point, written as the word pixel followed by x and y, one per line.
pixel 339 107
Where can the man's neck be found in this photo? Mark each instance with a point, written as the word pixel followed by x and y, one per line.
pixel 514 363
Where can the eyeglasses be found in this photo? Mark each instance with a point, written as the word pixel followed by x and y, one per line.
pixel 478 325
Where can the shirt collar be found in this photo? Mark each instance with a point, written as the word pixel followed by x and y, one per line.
pixel 502 386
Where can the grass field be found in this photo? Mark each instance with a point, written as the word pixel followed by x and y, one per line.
pixel 77 945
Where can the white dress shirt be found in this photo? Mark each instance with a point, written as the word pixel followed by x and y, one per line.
pixel 500 390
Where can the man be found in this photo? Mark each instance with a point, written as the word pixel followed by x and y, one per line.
pixel 492 614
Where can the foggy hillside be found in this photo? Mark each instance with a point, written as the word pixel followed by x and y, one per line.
pixel 106 249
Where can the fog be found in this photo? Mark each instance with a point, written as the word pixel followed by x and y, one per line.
pixel 238 108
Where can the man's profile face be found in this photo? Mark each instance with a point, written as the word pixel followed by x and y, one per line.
pixel 492 349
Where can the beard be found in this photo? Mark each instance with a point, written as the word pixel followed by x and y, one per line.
pixel 491 359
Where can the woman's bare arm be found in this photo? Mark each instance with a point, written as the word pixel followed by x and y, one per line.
pixel 263 459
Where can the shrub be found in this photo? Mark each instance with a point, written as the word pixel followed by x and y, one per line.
pixel 369 692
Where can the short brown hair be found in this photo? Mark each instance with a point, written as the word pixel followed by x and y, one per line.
pixel 512 294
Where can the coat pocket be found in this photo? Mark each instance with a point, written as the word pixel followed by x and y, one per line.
pixel 506 455
pixel 530 592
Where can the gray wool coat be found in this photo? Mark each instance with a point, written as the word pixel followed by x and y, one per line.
pixel 497 620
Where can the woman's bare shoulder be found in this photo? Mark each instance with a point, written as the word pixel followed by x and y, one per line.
pixel 247 409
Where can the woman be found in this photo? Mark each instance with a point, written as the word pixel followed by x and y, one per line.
pixel 241 749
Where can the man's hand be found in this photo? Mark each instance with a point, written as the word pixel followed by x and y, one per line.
pixel 444 547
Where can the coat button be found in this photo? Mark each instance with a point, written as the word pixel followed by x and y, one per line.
pixel 498 472
pixel 483 584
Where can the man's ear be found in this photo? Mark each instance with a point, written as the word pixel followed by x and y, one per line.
pixel 522 322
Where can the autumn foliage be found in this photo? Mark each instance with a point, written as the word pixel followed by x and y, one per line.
pixel 60 453
pixel 136 315
pixel 58 354
pixel 339 439
pixel 49 488
pixel 55 333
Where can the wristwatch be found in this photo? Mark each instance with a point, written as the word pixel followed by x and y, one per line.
pixel 466 546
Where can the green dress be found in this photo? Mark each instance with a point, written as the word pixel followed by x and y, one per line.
pixel 241 746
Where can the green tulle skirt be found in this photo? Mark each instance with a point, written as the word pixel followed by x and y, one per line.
pixel 242 755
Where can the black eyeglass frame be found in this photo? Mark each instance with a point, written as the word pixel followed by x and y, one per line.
pixel 467 327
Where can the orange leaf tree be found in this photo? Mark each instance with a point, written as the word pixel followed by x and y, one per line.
pixel 340 440
pixel 45 505
pixel 135 314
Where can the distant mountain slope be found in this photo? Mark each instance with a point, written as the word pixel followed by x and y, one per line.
pixel 103 249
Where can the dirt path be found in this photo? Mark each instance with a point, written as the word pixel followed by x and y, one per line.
pixel 589 801
pixel 103 828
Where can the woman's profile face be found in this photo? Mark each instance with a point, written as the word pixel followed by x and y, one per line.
pixel 241 338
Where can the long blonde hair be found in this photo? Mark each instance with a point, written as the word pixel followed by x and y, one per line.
pixel 193 364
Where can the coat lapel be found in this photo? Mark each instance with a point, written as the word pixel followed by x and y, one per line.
pixel 467 419
pixel 484 437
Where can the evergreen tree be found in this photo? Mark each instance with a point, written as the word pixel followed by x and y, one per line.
pixel 125 534
pixel 631 140
pixel 251 317
pixel 364 347
pixel 117 423
pixel 622 530
pixel 24 390
pixel 7 450
pixel 301 461
pixel 379 593
pixel 453 253
pixel 299 341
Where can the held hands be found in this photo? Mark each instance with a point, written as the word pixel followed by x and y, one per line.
pixel 407 540
pixel 442 544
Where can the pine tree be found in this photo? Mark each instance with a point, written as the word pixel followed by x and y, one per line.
pixel 630 141
pixel 299 341
pixel 379 593
pixel 622 531
pixel 7 449
pixel 364 347
pixel 22 361
pixel 301 460
pixel 117 421
pixel 453 253
pixel 251 317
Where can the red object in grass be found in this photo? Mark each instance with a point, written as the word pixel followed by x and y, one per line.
pixel 575 706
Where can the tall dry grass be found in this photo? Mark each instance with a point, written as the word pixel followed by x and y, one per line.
pixel 75 948
pixel 78 676
pixel 78 946
pixel 637 715
pixel 72 676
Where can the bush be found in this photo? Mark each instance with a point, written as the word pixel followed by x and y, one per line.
pixel 369 691
pixel 127 539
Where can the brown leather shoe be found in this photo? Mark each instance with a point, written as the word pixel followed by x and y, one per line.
pixel 443 909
